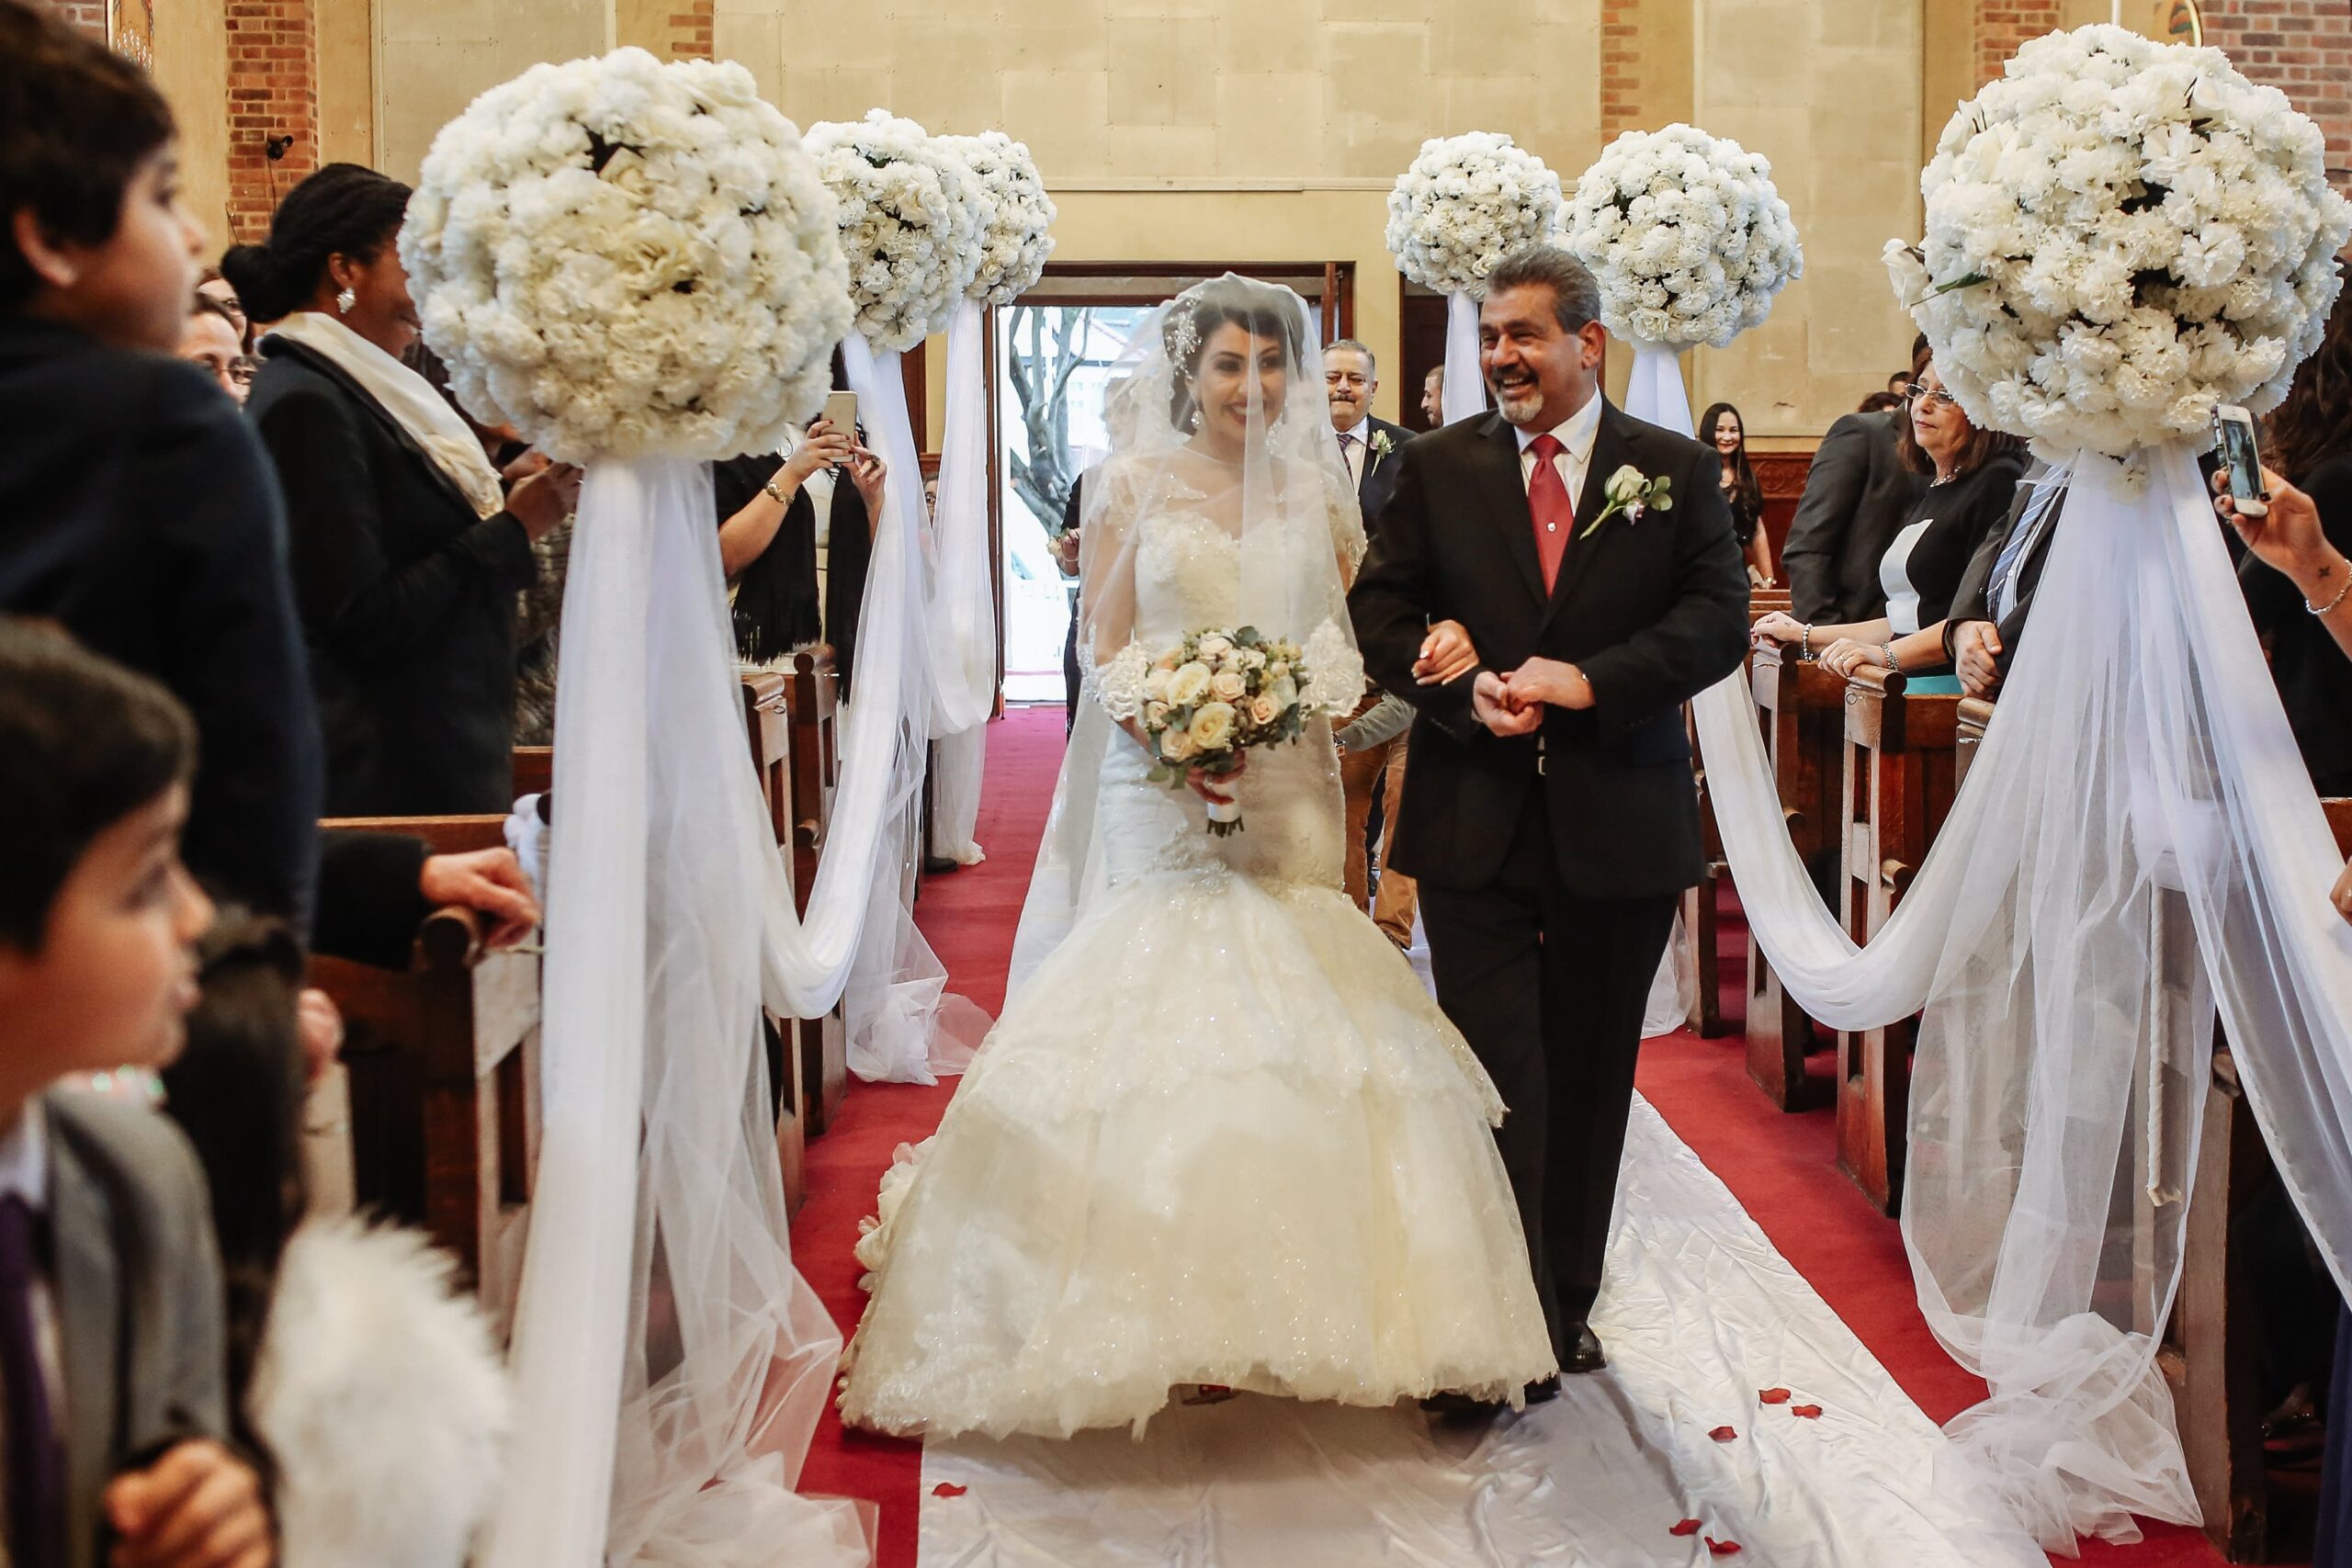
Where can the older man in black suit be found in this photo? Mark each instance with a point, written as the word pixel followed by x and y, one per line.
pixel 1550 814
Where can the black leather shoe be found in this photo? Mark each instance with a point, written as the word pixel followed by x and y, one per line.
pixel 1544 1392
pixel 1450 1407
pixel 1585 1355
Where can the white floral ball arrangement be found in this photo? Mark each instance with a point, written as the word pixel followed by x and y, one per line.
pixel 1686 234
pixel 626 258
pixel 909 222
pixel 2121 234
pixel 1466 202
pixel 1016 231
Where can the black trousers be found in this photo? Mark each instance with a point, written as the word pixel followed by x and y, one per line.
pixel 1549 989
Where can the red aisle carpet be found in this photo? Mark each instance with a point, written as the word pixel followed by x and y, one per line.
pixel 1783 1168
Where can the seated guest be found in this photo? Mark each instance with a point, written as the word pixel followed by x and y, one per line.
pixel 326 1318
pixel 1975 479
pixel 1856 495
pixel 767 534
pixel 1722 428
pixel 407 554
pixel 115 1429
pixel 2308 439
pixel 1996 593
pixel 211 284
pixel 97 258
pixel 209 343
pixel 1879 402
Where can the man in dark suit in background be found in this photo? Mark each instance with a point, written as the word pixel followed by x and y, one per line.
pixel 1550 815
pixel 1367 445
pixel 1856 495
pixel 1996 593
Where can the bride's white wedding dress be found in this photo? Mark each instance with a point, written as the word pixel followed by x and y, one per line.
pixel 1221 1135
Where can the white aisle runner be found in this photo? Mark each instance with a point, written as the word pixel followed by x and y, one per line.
pixel 1701 1316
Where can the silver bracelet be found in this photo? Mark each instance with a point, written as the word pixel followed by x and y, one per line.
pixel 2329 608
pixel 1886 650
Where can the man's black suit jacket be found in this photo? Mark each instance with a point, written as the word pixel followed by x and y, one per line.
pixel 1972 601
pixel 1856 495
pixel 1377 482
pixel 1651 611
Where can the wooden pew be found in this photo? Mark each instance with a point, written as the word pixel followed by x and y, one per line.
pixel 1974 713
pixel 810 697
pixel 1895 788
pixel 769 724
pixel 1803 708
pixel 2211 1349
pixel 444 1070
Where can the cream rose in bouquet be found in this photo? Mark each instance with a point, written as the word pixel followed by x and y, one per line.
pixel 1205 701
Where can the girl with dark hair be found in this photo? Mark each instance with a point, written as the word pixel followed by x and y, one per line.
pixel 1722 428
pixel 1976 473
pixel 407 553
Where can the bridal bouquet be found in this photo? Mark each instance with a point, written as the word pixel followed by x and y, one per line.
pixel 909 224
pixel 1464 203
pixel 624 258
pixel 1213 697
pixel 2121 234
pixel 1015 235
pixel 1686 234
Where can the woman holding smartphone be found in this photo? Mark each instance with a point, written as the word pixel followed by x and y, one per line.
pixel 767 533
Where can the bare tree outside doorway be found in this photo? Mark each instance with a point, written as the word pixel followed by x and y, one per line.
pixel 1048 349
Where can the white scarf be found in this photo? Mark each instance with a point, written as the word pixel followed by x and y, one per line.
pixel 410 399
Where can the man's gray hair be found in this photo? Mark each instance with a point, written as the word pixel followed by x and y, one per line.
pixel 1576 297
pixel 1371 365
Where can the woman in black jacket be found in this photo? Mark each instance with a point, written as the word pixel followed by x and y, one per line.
pixel 406 556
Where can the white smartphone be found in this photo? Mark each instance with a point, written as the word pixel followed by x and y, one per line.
pixel 841 409
pixel 2242 455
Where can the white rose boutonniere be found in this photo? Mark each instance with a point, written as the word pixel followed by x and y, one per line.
pixel 1382 445
pixel 1631 491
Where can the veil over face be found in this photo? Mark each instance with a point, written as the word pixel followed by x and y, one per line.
pixel 1220 442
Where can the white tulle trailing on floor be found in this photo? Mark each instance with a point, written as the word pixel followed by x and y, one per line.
pixel 2137 843
pixel 903 1026
pixel 963 598
pixel 670 1363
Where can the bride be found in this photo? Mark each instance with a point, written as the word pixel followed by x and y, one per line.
pixel 1221 1135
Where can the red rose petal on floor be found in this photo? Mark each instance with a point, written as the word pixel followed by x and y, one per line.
pixel 1687 1526
pixel 1721 1548
pixel 948 1489
pixel 1773 1395
pixel 1723 1434
pixel 1805 1412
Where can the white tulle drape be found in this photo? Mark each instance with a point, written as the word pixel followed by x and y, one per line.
pixel 670 1363
pixel 903 1025
pixel 2137 843
pixel 963 599
pixel 1464 393
pixel 1654 392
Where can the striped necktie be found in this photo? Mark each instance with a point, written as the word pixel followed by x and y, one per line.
pixel 2038 511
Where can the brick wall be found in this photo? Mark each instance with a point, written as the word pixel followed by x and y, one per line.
pixel 1621 67
pixel 273 93
pixel 690 28
pixel 2303 47
pixel 90 16
pixel 2003 25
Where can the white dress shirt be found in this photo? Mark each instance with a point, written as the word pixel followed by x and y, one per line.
pixel 1576 434
pixel 1354 445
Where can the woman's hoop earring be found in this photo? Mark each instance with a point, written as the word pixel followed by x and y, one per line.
pixel 345 300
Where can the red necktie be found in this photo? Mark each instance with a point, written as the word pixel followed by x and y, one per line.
pixel 1548 502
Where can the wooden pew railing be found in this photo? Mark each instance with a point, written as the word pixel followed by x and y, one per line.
pixel 1802 708
pixel 444 1067
pixel 1895 787
pixel 2211 1353
pixel 811 694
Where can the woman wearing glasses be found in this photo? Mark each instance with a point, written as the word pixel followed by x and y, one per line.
pixel 1976 477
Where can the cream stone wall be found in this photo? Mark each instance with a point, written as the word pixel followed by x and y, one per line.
pixel 433 57
pixel 346 82
pixel 1829 90
pixel 192 69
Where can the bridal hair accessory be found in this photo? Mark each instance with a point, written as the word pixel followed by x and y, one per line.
pixel 1463 204
pixel 909 222
pixel 625 258
pixel 345 301
pixel 1183 340
pixel 2121 234
pixel 1686 234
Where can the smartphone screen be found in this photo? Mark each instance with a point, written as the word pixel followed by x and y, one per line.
pixel 2240 455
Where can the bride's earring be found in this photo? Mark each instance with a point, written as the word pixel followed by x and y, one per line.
pixel 344 301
